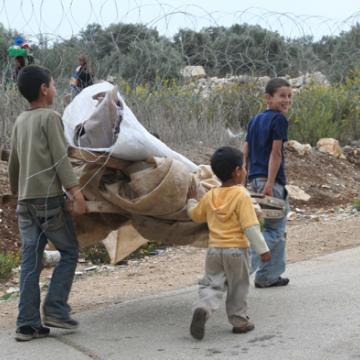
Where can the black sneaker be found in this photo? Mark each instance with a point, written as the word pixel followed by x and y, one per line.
pixel 26 333
pixel 197 327
pixel 279 282
pixel 61 323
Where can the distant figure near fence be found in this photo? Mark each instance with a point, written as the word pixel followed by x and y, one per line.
pixel 82 77
pixel 20 52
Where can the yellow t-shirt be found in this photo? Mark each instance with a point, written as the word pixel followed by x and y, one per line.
pixel 227 211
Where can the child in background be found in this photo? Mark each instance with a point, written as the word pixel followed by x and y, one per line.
pixel 232 221
pixel 264 159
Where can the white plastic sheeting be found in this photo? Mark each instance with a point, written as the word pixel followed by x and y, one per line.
pixel 133 142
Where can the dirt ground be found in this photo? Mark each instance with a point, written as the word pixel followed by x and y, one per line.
pixel 179 267
pixel 326 223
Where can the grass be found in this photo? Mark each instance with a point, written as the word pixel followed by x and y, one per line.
pixel 8 261
pixel 97 254
pixel 182 114
pixel 356 204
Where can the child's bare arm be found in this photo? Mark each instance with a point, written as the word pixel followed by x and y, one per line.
pixel 196 210
pixel 191 199
pixel 274 165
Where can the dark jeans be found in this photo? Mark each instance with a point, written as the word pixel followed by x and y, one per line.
pixel 41 220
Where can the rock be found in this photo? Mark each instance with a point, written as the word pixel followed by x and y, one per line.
pixel 12 290
pixel 191 72
pixel 51 257
pixel 291 216
pixel 109 268
pixel 330 146
pixel 301 149
pixel 205 86
pixel 263 80
pixel 243 79
pixel 316 77
pixel 297 82
pixel 308 79
pixel 296 193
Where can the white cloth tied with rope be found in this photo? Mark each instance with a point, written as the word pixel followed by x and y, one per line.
pixel 98 119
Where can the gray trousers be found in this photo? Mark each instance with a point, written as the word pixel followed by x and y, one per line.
pixel 226 269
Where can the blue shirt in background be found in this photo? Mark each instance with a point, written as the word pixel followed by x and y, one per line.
pixel 262 130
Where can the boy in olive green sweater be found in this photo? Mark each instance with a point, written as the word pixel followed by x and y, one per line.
pixel 39 170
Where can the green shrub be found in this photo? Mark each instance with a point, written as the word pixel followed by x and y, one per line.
pixel 356 204
pixel 237 103
pixel 182 114
pixel 314 114
pixel 7 262
pixel 150 248
pixel 327 111
pixel 97 254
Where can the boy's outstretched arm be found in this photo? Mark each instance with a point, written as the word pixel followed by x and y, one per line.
pixel 257 241
pixel 195 210
pixel 274 165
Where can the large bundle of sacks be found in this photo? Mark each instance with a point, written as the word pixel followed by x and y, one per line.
pixel 149 193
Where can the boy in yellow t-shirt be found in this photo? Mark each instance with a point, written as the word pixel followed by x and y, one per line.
pixel 232 223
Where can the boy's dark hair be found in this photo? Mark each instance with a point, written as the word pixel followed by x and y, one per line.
pixel 224 161
pixel 275 84
pixel 30 79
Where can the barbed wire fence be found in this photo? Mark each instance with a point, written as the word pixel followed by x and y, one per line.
pixel 145 54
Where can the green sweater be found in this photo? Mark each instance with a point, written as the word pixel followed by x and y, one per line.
pixel 38 163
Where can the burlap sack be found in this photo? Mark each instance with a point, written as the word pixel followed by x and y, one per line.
pixel 145 180
pixel 165 200
pixel 92 228
pixel 171 232
pixel 152 195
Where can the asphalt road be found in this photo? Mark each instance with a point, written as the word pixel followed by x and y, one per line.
pixel 316 317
